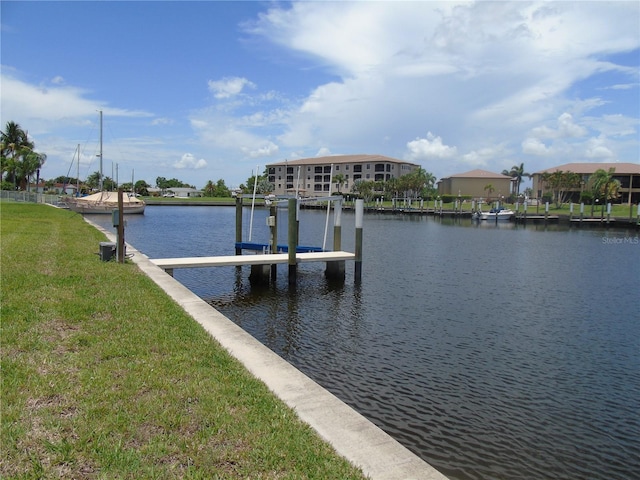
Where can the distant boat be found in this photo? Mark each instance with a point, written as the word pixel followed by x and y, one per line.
pixel 105 202
pixel 498 213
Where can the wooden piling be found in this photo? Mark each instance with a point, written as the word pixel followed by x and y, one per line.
pixel 273 229
pixel 293 241
pixel 358 252
pixel 238 224
pixel 120 227
pixel 335 269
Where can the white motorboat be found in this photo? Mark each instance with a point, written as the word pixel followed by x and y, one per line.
pixel 498 213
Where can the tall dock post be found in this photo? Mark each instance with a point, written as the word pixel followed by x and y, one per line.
pixel 120 246
pixel 581 211
pixel 238 224
pixel 273 228
pixel 335 269
pixel 359 222
pixel 293 241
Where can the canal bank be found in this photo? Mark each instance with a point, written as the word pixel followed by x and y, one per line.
pixel 349 433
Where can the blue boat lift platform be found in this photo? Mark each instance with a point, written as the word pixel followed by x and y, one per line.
pixel 266 248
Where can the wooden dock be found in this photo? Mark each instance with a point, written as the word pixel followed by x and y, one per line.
pixel 168 264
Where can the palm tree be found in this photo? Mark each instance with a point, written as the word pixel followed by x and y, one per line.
pixel 489 188
pixel 209 189
pixel 16 146
pixel 604 187
pixel 338 179
pixel 517 173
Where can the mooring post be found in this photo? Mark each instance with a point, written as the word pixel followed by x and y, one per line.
pixel 273 228
pixel 335 269
pixel 571 211
pixel 120 245
pixel 293 240
pixel 359 222
pixel 524 207
pixel 546 211
pixel 238 224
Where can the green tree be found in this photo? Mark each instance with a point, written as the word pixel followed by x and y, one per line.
pixel 517 172
pixel 263 186
pixel 364 189
pixel 19 160
pixel 221 190
pixel 604 188
pixel 489 188
pixel 339 179
pixel 561 184
pixel 142 188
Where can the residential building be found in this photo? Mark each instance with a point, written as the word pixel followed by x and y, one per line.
pixel 628 174
pixel 477 184
pixel 183 192
pixel 312 176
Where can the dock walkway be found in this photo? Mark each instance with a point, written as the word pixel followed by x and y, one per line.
pixel 259 259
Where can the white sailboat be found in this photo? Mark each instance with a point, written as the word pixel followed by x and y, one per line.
pixel 105 202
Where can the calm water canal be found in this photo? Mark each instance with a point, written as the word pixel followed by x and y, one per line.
pixel 492 351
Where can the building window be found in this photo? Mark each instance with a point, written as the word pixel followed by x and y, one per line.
pixel 379 177
pixel 326 187
pixel 368 176
pixel 368 166
pixel 272 179
pixel 327 169
pixel 356 178
pixel 327 178
pixel 317 187
pixel 357 168
pixel 379 167
pixel 346 167
pixel 388 167
pixel 289 185
pixel 317 178
pixel 272 170
pixel 290 170
pixel 318 170
pixel 337 167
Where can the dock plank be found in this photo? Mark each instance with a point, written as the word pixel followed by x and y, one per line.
pixel 259 259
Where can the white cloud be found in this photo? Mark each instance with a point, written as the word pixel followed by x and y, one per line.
pixel 267 150
pixel 229 86
pixel 566 128
pixel 323 152
pixel 534 146
pixel 430 147
pixel 597 149
pixel 188 161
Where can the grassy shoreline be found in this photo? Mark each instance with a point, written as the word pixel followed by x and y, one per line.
pixel 103 376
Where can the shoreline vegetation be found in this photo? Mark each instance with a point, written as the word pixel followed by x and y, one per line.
pixel 104 376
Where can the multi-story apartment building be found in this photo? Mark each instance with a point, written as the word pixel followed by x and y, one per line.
pixel 313 177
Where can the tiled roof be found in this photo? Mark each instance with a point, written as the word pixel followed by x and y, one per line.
pixel 340 159
pixel 589 168
pixel 479 174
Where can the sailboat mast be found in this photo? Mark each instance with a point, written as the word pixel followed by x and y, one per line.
pixel 78 174
pixel 100 154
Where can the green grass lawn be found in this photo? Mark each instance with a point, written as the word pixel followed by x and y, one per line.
pixel 103 376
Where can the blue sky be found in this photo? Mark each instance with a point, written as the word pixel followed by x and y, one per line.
pixel 206 90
